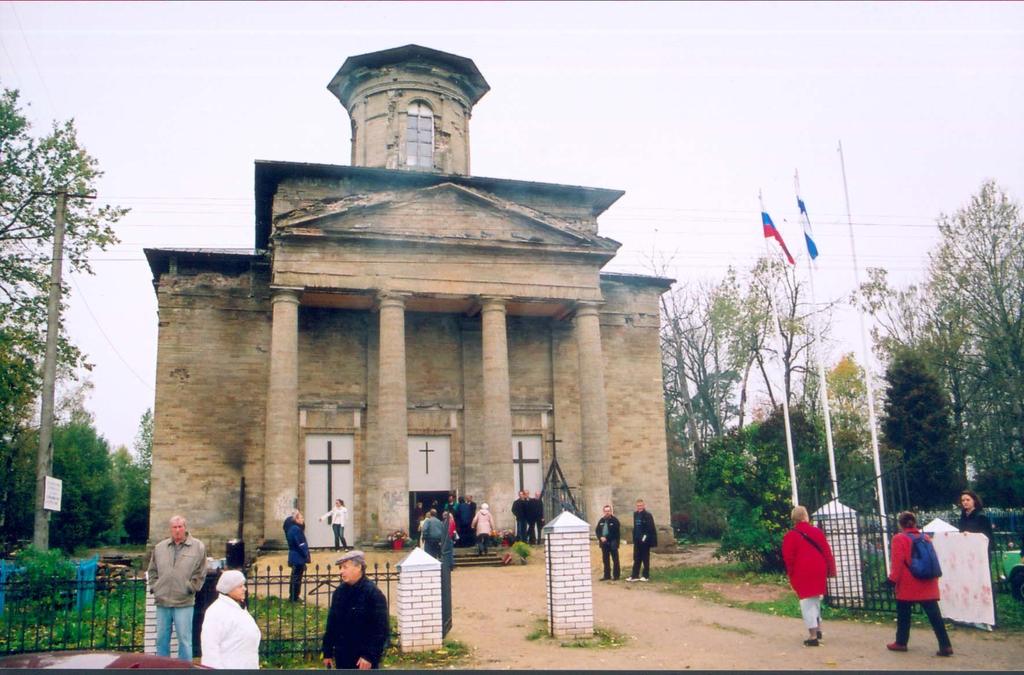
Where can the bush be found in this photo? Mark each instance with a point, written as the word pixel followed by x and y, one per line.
pixel 521 549
pixel 42 573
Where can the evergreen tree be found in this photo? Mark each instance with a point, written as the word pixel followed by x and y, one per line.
pixel 916 422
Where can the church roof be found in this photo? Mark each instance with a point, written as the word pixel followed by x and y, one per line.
pixel 642 279
pixel 226 258
pixel 269 174
pixel 348 76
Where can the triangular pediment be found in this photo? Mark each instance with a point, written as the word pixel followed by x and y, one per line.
pixel 440 212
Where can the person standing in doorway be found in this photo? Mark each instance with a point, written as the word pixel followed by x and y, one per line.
pixel 607 532
pixel 910 589
pixel 432 533
pixel 483 525
pixel 521 509
pixel 298 551
pixel 645 536
pixel 176 573
pixel 809 562
pixel 465 521
pixel 535 515
pixel 337 517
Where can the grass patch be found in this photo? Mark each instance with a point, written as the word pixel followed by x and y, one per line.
pixel 691 581
pixel 602 638
pixel 451 653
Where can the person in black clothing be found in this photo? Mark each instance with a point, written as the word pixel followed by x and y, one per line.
pixel 972 519
pixel 298 552
pixel 607 532
pixel 467 537
pixel 357 622
pixel 521 509
pixel 644 537
pixel 534 514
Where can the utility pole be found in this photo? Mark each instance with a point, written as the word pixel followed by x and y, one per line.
pixel 44 460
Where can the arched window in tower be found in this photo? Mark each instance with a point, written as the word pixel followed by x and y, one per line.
pixel 419 136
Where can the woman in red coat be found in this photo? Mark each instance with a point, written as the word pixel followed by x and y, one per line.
pixel 910 589
pixel 808 561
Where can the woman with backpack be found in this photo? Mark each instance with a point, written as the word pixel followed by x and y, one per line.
pixel 809 562
pixel 915 576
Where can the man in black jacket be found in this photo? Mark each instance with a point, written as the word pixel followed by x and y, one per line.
pixel 521 510
pixel 644 537
pixel 357 623
pixel 607 532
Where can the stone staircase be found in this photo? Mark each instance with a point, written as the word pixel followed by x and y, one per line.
pixel 467 557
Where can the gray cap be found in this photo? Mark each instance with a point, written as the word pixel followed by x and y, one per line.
pixel 357 557
pixel 229 581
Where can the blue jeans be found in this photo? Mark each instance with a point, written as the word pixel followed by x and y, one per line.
pixel 181 617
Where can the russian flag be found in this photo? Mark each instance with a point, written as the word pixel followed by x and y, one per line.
pixel 770 232
pixel 812 248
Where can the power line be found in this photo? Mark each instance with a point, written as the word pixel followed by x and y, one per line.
pixel 85 301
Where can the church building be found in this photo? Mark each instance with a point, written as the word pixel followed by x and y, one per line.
pixel 402 330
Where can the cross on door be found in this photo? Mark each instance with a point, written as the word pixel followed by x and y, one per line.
pixel 426 450
pixel 520 461
pixel 330 462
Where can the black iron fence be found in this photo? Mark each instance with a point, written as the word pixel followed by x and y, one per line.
pixel 297 628
pixel 57 614
pixel 109 614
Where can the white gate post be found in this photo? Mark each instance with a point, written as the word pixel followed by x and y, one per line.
pixel 570 599
pixel 419 602
pixel 149 630
pixel 839 523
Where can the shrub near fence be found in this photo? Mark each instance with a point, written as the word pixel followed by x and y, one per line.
pixel 40 615
pixel 51 618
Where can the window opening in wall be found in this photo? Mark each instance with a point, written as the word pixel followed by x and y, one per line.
pixel 419 136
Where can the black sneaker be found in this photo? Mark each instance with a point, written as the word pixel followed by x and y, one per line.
pixel 811 643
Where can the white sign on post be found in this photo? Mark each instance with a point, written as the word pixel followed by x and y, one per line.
pixel 52 493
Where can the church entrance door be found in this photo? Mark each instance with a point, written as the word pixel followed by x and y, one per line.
pixel 430 475
pixel 527 472
pixel 328 477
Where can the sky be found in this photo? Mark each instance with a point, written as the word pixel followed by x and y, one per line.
pixel 692 109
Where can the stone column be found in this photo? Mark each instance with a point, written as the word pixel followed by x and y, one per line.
pixel 570 593
pixel 597 488
pixel 419 602
pixel 281 449
pixel 388 493
pixel 497 461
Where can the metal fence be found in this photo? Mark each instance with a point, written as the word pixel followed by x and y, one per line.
pixel 297 628
pixel 109 614
pixel 57 614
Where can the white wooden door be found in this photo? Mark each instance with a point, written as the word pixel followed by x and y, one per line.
pixel 527 471
pixel 329 474
pixel 430 464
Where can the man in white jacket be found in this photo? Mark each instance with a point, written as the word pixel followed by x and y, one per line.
pixel 231 638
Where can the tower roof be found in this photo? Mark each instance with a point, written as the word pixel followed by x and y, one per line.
pixel 356 67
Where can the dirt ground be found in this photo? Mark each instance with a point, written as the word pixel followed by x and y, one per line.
pixel 495 609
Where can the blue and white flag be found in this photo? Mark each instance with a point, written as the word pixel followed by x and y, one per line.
pixel 812 249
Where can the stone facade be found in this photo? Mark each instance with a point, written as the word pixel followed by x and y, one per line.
pixel 380 304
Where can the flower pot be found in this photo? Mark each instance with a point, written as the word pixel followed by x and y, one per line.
pixel 397 544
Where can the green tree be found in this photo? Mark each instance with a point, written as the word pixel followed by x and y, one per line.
pixel 82 460
pixel 916 422
pixel 18 382
pixel 746 475
pixel 30 167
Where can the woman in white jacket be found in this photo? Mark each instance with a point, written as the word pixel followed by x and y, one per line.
pixel 231 638
pixel 337 517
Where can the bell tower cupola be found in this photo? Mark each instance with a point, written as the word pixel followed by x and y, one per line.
pixel 410 108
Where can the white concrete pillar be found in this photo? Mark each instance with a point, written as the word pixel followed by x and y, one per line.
pixel 419 602
pixel 569 584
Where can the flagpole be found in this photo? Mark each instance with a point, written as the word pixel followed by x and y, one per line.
pixel 815 328
pixel 785 399
pixel 869 387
